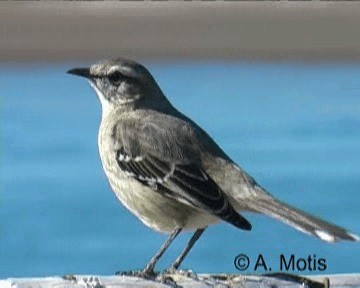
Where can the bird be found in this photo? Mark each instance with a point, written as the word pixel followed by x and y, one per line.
pixel 169 172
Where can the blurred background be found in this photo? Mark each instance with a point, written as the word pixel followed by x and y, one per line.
pixel 275 84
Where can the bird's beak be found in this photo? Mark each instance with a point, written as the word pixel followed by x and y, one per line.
pixel 83 72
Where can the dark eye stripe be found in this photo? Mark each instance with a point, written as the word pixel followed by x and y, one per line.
pixel 116 78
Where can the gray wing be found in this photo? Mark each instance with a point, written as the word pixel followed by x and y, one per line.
pixel 163 153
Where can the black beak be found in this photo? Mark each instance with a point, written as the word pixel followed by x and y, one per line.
pixel 83 72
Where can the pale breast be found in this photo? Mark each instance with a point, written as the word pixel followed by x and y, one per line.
pixel 151 207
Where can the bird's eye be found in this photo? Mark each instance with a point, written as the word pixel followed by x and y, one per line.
pixel 116 78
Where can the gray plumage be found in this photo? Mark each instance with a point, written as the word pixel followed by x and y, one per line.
pixel 168 171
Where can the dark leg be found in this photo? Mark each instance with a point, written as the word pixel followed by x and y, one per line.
pixel 187 249
pixel 149 269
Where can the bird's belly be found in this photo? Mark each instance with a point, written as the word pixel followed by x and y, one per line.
pixel 156 211
pixel 152 208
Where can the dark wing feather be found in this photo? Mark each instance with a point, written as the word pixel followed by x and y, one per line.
pixel 177 175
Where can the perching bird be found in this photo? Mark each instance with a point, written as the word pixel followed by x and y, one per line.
pixel 169 172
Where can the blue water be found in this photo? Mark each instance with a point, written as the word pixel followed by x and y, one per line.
pixel 295 128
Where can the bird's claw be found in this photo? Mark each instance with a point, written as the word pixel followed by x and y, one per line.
pixel 171 272
pixel 145 274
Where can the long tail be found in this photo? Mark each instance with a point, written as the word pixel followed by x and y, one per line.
pixel 301 221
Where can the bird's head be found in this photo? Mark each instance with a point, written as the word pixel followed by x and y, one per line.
pixel 122 83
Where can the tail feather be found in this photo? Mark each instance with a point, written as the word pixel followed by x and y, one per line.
pixel 302 221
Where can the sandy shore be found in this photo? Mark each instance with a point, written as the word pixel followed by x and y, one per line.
pixel 60 31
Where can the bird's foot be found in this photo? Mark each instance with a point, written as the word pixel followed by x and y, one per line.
pixel 168 280
pixel 164 277
pixel 145 274
pixel 176 274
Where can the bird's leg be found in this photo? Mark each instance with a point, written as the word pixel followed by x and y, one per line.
pixel 149 269
pixel 187 249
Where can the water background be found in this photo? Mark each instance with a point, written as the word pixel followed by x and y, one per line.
pixel 295 128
